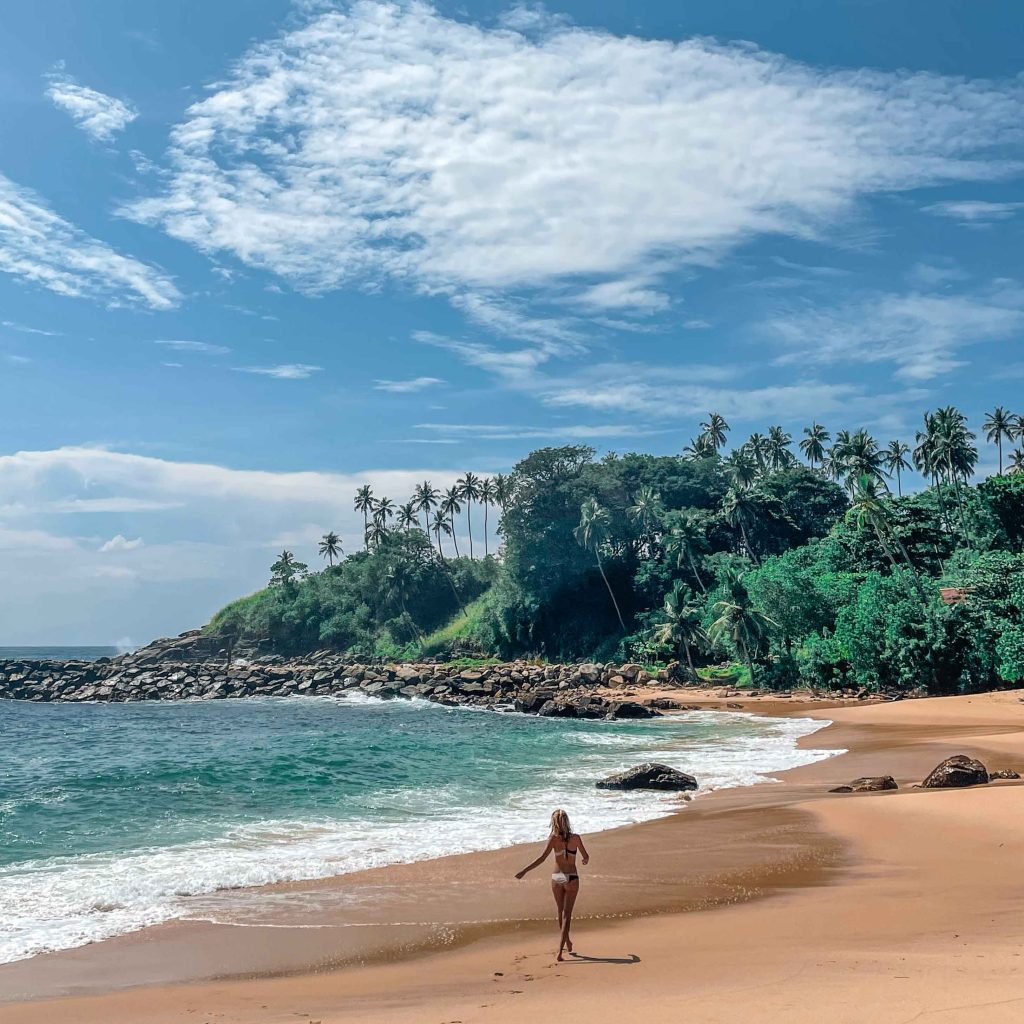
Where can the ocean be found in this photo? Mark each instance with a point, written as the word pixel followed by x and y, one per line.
pixel 112 816
pixel 68 653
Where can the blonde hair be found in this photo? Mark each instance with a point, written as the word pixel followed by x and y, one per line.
pixel 560 825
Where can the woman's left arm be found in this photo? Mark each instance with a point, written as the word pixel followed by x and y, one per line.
pixel 583 849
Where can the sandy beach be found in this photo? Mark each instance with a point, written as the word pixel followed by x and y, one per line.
pixel 771 903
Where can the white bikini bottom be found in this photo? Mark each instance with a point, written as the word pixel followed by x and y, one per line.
pixel 561 878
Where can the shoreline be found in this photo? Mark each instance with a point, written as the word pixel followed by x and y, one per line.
pixel 733 850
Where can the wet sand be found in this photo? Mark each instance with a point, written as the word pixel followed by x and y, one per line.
pixel 775 902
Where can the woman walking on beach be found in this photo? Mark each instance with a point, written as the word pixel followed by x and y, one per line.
pixel 565 882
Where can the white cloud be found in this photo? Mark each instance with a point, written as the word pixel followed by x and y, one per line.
pixel 195 346
pixel 210 535
pixel 16 360
pixel 388 141
pixel 287 371
pixel 402 387
pixel 626 293
pixel 120 543
pixel 920 334
pixel 974 212
pixel 41 247
pixel 97 114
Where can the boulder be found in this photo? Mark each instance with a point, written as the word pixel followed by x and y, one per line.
pixel 551 709
pixel 868 784
pixel 956 771
pixel 650 776
pixel 665 704
pixel 629 709
pixel 1004 773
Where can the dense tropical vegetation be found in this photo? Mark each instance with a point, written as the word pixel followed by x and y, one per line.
pixel 802 563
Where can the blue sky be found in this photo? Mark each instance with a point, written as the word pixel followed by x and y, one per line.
pixel 253 255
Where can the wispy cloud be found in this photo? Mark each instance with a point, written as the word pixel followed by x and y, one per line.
pixel 402 387
pixel 22 329
pixel 465 159
pixel 511 432
pixel 974 212
pixel 16 360
pixel 651 392
pixel 41 247
pixel 97 114
pixel 203 347
pixel 921 334
pixel 286 371
pixel 120 543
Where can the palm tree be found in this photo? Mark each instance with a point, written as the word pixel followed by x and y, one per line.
pixel 863 456
pixel 364 504
pixel 383 511
pixel 700 447
pixel 426 499
pixel 644 510
pixel 741 469
pixel 1000 425
pixel 686 535
pixel 285 569
pixel 896 461
pixel 955 453
pixel 1017 461
pixel 330 547
pixel 870 509
pixel 469 490
pixel 715 429
pixel 502 491
pixel 777 448
pixel 396 583
pixel 451 506
pixel 738 619
pixel 757 446
pixel 679 625
pixel 739 514
pixel 407 516
pixel 486 499
pixel 814 442
pixel 439 524
pixel 591 535
pixel 376 533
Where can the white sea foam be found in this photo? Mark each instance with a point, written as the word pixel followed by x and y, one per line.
pixel 65 902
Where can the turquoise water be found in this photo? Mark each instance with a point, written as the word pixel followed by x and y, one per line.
pixel 111 815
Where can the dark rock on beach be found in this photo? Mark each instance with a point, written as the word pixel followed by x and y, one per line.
pixel 650 776
pixel 955 772
pixel 629 709
pixel 868 784
pixel 1004 773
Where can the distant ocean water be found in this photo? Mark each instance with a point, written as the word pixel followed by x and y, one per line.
pixel 113 815
pixel 85 653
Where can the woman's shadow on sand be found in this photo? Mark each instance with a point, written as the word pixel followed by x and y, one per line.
pixel 583 958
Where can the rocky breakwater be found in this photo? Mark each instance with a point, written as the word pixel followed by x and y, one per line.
pixel 161 672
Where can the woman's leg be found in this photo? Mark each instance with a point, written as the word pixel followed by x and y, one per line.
pixel 558 890
pixel 568 901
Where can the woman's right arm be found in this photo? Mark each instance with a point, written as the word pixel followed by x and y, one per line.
pixel 540 860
